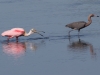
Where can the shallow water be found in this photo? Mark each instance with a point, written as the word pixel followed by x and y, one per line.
pixel 55 53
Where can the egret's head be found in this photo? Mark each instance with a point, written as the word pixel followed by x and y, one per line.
pixel 92 15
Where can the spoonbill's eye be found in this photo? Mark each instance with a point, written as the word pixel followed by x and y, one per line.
pixel 32 30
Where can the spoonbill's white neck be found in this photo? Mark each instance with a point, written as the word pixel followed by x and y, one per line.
pixel 33 31
pixel 29 33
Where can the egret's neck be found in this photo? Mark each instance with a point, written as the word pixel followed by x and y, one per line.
pixel 89 21
pixel 27 34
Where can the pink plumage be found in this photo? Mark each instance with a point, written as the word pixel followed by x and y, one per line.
pixel 14 32
pixel 17 32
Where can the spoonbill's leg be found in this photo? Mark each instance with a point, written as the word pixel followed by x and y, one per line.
pixel 8 39
pixel 16 39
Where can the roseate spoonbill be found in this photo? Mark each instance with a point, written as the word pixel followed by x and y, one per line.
pixel 17 32
pixel 81 24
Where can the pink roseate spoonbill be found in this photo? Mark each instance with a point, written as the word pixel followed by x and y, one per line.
pixel 17 32
pixel 80 25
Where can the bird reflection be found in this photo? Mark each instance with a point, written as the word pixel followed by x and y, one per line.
pixel 18 49
pixel 81 45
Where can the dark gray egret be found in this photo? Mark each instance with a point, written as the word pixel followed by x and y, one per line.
pixel 80 24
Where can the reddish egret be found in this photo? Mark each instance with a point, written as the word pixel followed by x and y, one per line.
pixel 81 24
pixel 17 32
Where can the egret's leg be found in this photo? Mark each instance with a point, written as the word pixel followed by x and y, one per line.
pixel 69 32
pixel 78 33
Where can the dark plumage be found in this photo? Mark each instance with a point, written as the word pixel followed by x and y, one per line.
pixel 80 24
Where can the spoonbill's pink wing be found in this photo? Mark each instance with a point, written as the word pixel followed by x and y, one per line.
pixel 13 32
pixel 6 33
pixel 20 29
pixel 17 31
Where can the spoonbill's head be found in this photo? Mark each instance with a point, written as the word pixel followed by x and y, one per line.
pixel 35 31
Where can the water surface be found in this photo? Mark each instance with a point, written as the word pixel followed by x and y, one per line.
pixel 55 53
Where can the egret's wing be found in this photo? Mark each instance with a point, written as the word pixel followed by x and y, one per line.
pixel 77 25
